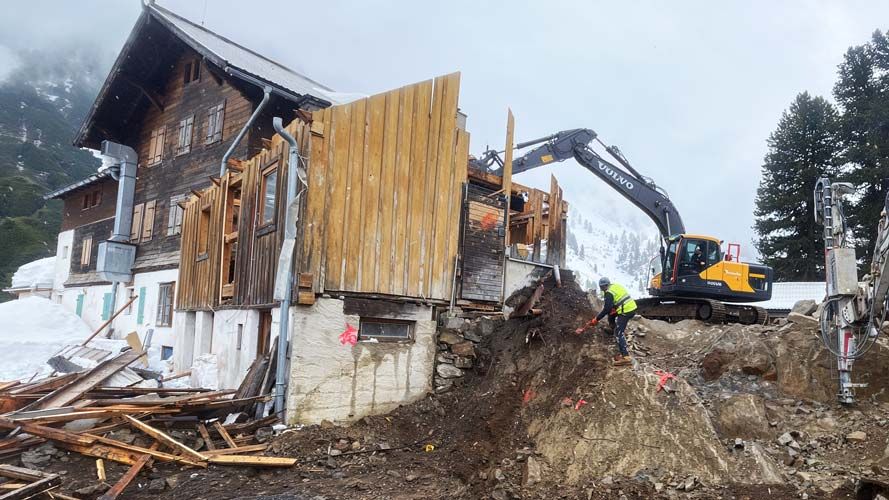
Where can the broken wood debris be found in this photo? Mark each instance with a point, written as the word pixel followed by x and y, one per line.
pixel 163 424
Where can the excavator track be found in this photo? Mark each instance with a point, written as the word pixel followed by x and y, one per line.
pixel 711 311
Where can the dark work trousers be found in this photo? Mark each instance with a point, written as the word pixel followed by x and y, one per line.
pixel 618 323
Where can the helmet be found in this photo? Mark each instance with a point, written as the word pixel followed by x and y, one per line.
pixel 604 282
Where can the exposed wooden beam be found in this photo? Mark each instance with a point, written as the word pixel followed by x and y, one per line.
pixel 155 99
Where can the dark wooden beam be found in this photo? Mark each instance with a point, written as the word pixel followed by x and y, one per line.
pixel 155 99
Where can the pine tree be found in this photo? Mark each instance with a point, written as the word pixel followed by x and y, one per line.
pixel 582 253
pixel 862 93
pixel 804 147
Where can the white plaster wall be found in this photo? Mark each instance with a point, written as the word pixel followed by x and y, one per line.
pixel 128 320
pixel 184 343
pixel 62 264
pixel 338 382
pixel 46 294
pixel 92 303
pixel 232 362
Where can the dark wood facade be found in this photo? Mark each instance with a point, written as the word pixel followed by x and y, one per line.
pixel 89 204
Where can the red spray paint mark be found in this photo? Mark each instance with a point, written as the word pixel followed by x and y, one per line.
pixel 665 376
pixel 488 221
pixel 580 403
pixel 528 395
pixel 350 336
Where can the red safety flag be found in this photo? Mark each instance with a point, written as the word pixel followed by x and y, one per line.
pixel 665 376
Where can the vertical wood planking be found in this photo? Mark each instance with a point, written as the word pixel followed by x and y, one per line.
pixel 337 205
pixel 507 167
pixel 399 266
pixel 388 189
pixel 370 212
pixel 432 166
pixel 316 197
pixel 419 169
pixel 351 238
pixel 438 268
pixel 461 163
pixel 554 238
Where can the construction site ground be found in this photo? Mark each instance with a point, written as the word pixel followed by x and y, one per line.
pixel 749 412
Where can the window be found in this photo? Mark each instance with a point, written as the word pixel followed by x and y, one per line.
pixel 143 222
pixel 86 202
pixel 192 72
pixel 156 146
pixel 215 118
pixel 92 199
pixel 131 293
pixel 689 261
pixel 136 227
pixel 267 197
pixel 165 304
pixel 240 336
pixel 85 250
pixel 384 330
pixel 166 352
pixel 186 128
pixel 174 215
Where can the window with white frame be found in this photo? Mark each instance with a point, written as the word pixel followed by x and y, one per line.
pixel 165 304
pixel 186 131
pixel 174 215
pixel 215 119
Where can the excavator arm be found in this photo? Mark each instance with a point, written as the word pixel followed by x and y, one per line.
pixel 575 143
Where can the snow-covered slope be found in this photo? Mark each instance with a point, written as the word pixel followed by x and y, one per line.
pixel 607 235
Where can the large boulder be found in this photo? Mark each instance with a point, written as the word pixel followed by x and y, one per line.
pixel 805 307
pixel 741 416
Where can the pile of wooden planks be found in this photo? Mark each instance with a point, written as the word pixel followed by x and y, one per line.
pixel 184 426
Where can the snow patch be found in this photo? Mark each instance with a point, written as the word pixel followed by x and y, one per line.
pixel 38 273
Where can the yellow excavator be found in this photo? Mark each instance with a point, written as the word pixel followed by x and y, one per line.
pixel 692 277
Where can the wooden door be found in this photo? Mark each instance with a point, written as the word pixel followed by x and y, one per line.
pixel 265 333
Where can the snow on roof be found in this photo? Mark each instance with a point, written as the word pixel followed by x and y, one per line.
pixel 227 52
pixel 36 274
pixel 786 294
pixel 33 330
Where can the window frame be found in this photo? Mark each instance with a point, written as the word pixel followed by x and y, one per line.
pixel 192 72
pixel 175 213
pixel 263 180
pixel 205 218
pixel 164 317
pixel 86 251
pixel 156 146
pixel 215 123
pixel 374 339
pixel 186 128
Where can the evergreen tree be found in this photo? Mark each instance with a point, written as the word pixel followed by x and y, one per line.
pixel 862 93
pixel 804 147
pixel 582 253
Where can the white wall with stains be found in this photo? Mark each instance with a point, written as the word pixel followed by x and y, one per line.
pixel 341 383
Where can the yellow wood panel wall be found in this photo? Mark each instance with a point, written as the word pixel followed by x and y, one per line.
pixel 385 182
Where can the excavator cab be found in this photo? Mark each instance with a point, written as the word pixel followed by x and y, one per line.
pixel 696 266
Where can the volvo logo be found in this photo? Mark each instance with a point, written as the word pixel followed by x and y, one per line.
pixel 616 176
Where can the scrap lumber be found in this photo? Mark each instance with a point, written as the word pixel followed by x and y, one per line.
pixel 138 450
pixel 100 470
pixel 163 438
pixel 202 429
pixel 507 168
pixel 72 392
pixel 255 461
pixel 252 382
pixel 224 434
pixel 237 451
pixel 128 477
pixel 38 482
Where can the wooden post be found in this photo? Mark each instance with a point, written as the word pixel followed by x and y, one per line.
pixel 507 170
pixel 98 330
pixel 128 477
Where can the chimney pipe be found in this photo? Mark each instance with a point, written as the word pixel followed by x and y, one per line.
pixel 124 172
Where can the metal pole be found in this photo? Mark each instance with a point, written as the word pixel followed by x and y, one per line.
pixel 223 165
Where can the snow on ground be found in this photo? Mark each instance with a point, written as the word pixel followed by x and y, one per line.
pixel 32 330
pixel 38 272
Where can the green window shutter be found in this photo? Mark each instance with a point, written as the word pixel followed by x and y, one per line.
pixel 106 306
pixel 140 313
pixel 79 310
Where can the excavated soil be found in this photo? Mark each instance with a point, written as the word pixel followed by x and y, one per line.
pixel 544 414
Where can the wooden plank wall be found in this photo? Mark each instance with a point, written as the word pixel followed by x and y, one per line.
pixel 199 275
pixel 555 254
pixel 385 180
pixel 483 246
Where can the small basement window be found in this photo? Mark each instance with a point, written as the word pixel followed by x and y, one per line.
pixel 385 330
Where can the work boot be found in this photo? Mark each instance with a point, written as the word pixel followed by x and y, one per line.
pixel 623 361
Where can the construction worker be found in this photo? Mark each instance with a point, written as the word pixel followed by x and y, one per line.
pixel 620 308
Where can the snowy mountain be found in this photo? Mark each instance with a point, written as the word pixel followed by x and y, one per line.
pixel 43 99
pixel 607 235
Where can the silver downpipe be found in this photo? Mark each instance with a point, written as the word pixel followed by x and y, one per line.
pixel 284 274
pixel 223 165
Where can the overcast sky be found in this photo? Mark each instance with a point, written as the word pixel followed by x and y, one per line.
pixel 688 90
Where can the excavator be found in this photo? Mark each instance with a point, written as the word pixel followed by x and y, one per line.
pixel 853 312
pixel 710 285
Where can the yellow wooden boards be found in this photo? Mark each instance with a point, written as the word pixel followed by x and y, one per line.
pixel 385 176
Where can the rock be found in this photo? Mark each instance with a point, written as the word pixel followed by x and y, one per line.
pixel 785 439
pixel 172 481
pixel 532 473
pixel 857 436
pixel 448 371
pixel 343 445
pixel 356 445
pixel 742 416
pixel 498 475
pixel 92 490
pixel 335 452
pixel 443 384
pixel 394 473
pixel 264 434
pixel 327 424
pixel 450 337
pixel 806 307
pixel 35 459
pixel 608 480
pixel 658 487
pixel 444 357
pixel 714 364
pixel 754 359
pixel 463 362
pixel 690 483
pixel 454 323
pixel 500 495
pixel 464 348
pixel 157 485
pixel 471 335
pixel 802 320
pixel 739 444
pixel 485 326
